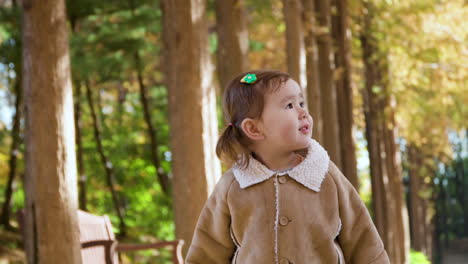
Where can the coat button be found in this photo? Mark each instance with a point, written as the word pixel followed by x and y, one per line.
pixel 284 220
pixel 284 261
pixel 283 179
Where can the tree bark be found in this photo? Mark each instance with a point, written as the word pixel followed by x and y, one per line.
pixel 379 176
pixel 331 140
pixel 379 194
pixel 14 151
pixel 296 59
pixel 82 178
pixel 192 110
pixel 343 84
pixel 387 190
pixel 392 156
pixel 106 162
pixel 52 234
pixel 233 40
pixel 421 221
pixel 313 77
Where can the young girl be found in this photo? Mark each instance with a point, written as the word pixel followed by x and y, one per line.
pixel 283 201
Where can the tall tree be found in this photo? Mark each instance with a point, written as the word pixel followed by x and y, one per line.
pixel 152 132
pixel 392 156
pixel 343 84
pixel 296 59
pixel 192 110
pixel 233 40
pixel 52 234
pixel 106 163
pixel 162 177
pixel 331 140
pixel 420 201
pixel 313 78
pixel 387 187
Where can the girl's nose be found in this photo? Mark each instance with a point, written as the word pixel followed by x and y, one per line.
pixel 303 114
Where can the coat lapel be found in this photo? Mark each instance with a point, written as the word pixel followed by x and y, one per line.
pixel 310 172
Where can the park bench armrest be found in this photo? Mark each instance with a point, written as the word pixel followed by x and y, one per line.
pixel 176 250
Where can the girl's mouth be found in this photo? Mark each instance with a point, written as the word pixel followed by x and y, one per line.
pixel 304 129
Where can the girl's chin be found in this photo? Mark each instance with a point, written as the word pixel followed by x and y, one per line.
pixel 303 144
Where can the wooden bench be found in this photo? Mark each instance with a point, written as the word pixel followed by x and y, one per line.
pixel 99 245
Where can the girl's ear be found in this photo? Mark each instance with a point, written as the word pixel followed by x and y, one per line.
pixel 252 129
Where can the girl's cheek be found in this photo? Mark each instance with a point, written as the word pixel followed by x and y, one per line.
pixel 288 131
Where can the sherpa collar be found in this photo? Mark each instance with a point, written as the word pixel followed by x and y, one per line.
pixel 310 172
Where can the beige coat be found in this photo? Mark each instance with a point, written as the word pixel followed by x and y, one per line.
pixel 312 214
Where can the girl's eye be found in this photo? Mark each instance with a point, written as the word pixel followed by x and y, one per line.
pixel 290 106
pixel 301 104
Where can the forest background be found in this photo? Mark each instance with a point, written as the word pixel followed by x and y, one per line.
pixel 386 83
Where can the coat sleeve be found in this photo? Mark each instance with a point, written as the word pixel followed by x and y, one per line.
pixel 358 237
pixel 212 241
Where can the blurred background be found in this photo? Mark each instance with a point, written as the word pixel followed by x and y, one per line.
pixel 386 83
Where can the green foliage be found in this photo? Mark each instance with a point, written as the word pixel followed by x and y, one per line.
pixel 103 52
pixel 417 257
pixel 213 43
pixel 147 209
pixel 10 39
pixel 256 45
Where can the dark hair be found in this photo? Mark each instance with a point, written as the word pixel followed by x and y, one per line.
pixel 243 100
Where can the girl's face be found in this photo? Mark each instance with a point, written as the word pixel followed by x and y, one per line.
pixel 287 125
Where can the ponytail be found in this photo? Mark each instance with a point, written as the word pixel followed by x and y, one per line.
pixel 231 148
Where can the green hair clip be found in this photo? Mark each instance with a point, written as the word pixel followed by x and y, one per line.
pixel 249 78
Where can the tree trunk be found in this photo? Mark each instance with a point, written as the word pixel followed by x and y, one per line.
pixel 421 221
pixel 100 114
pixel 313 77
pixel 379 175
pixel 152 133
pixel 341 35
pixel 192 111
pixel 392 156
pixel 14 151
pixel 82 178
pixel 387 190
pixel 233 40
pixel 292 10
pixel 105 162
pixel 331 140
pixel 162 177
pixel 379 193
pixel 52 234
